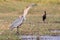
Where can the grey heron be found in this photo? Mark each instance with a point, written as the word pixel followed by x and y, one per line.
pixel 19 21
pixel 44 16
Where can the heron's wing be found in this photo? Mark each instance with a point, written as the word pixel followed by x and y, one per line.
pixel 17 22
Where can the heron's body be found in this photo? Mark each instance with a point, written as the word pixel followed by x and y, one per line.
pixel 20 20
pixel 17 22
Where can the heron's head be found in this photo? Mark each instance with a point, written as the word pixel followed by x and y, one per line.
pixel 32 5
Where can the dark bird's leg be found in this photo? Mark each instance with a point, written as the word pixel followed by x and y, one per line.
pixel 44 20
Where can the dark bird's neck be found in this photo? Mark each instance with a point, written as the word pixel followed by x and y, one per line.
pixel 45 12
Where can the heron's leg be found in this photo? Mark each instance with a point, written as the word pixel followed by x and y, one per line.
pixel 17 30
pixel 18 33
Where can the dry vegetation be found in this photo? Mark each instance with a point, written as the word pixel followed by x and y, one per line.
pixel 10 10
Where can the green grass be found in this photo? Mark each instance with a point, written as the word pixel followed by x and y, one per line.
pixel 10 10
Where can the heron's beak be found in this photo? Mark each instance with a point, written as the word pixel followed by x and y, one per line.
pixel 33 4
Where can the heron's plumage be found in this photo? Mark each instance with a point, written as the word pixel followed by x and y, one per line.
pixel 19 20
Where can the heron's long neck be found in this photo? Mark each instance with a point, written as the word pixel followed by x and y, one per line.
pixel 26 11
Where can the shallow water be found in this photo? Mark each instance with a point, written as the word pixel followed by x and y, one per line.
pixel 49 37
pixel 40 37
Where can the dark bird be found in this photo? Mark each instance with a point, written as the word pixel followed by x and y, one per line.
pixel 44 16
